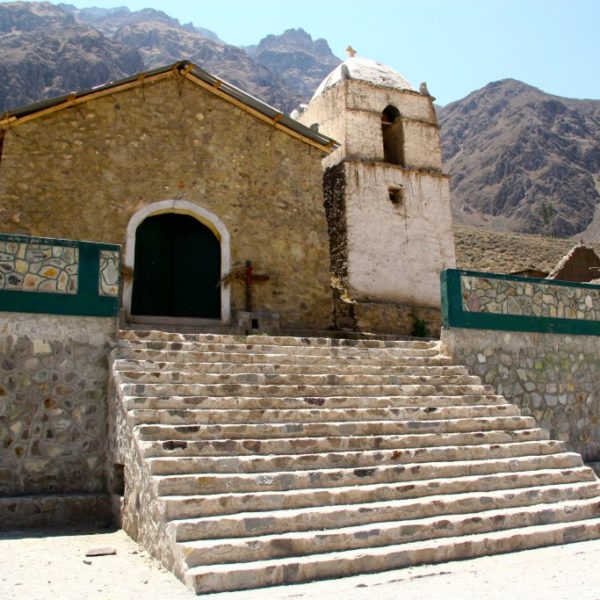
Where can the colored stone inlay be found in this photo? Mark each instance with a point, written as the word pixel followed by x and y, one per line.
pixel 108 281
pixel 29 267
pixel 529 299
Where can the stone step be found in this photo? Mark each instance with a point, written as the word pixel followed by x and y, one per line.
pixel 286 459
pixel 291 379
pixel 233 389
pixel 283 340
pixel 51 511
pixel 237 576
pixel 332 517
pixel 214 483
pixel 168 465
pixel 295 333
pixel 321 368
pixel 177 506
pixel 349 428
pixel 302 543
pixel 302 445
pixel 346 334
pixel 261 402
pixel 192 416
pixel 275 357
pixel 267 348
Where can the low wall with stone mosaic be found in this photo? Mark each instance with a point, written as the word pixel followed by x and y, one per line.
pixel 503 302
pixel 53 403
pixel 45 275
pixel 537 342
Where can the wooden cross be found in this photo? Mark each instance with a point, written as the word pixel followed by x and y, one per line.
pixel 249 278
pixel 350 51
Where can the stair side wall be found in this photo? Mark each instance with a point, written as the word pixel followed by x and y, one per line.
pixel 140 513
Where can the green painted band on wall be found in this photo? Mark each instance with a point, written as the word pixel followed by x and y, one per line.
pixel 454 315
pixel 86 302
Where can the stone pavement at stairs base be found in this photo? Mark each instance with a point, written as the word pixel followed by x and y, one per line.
pixel 43 565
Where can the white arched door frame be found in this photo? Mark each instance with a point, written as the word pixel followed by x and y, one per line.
pixel 182 207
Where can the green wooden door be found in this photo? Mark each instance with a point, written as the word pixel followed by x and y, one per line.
pixel 177 268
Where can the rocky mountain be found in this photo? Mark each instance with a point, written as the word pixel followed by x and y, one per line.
pixel 161 40
pixel 301 63
pixel 523 160
pixel 48 50
pixel 45 53
pixel 109 20
pixel 283 70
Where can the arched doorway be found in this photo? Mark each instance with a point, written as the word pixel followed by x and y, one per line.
pixel 177 268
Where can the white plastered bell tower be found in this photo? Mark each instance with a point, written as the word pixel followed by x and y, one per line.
pixel 386 196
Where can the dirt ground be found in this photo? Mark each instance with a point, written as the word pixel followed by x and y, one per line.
pixel 42 565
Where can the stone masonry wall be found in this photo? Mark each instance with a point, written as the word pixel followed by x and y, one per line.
pixel 334 187
pixel 53 403
pixel 83 172
pixel 552 377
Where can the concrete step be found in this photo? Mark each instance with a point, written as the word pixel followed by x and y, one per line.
pixel 237 576
pixel 300 402
pixel 176 378
pixel 191 416
pixel 280 340
pixel 348 428
pixel 215 483
pixel 177 506
pixel 168 465
pixel 333 517
pixel 234 389
pixel 226 446
pixel 275 357
pixel 302 543
pixel 269 348
pixel 318 368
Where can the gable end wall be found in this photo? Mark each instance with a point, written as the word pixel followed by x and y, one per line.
pixel 83 172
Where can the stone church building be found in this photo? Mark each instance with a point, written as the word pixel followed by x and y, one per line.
pixel 174 202
pixel 197 179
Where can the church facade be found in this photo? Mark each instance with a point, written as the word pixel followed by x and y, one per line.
pixel 194 179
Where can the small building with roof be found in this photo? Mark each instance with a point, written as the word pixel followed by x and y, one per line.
pixel 580 264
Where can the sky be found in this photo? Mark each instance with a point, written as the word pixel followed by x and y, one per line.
pixel 456 46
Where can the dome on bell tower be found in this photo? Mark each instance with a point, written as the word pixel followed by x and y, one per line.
pixel 363 69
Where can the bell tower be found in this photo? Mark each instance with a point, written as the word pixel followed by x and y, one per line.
pixel 386 197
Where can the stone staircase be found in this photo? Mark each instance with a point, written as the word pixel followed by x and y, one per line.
pixel 256 461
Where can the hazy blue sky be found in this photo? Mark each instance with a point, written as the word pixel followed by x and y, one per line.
pixel 456 46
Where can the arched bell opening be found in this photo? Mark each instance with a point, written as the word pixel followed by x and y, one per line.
pixel 393 136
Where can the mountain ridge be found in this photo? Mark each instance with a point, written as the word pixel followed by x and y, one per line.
pixel 522 160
